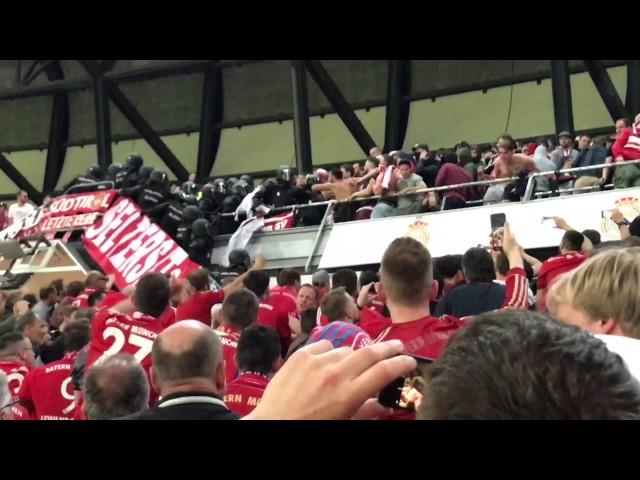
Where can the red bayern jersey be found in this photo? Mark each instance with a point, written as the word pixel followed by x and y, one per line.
pixel 198 306
pixel 47 391
pixel 555 266
pixel 229 336
pixel 284 299
pixel 270 316
pixel 168 317
pixel 113 332
pixel 82 300
pixel 16 373
pixel 373 322
pixel 111 299
pixel 244 393
pixel 428 336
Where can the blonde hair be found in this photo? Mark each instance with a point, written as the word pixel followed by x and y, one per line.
pixel 605 286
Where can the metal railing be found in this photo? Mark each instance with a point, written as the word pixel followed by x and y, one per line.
pixel 90 187
pixel 601 166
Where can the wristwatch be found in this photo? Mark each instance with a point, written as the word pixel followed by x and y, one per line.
pixel 624 223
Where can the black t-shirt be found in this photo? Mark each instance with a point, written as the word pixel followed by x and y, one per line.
pixel 472 299
pixel 187 406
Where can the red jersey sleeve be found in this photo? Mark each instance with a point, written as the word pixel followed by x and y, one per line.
pixel 621 141
pixel 213 298
pixel 25 394
pixel 373 322
pixel 517 288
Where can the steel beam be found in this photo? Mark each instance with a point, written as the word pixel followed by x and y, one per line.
pixel 58 131
pixel 606 89
pixel 21 182
pixel 210 114
pixel 561 91
pixel 632 101
pixel 397 111
pixel 301 131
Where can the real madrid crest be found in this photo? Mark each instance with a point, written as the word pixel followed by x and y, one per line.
pixel 419 231
pixel 629 207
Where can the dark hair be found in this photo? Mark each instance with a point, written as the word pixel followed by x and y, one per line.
pixel 449 156
pixel 348 168
pixel 23 321
pixel 334 304
pixel 152 294
pixel 336 172
pixel 288 277
pixel 45 292
pixel 240 308
pixel 201 360
pixel 257 281
pixel 95 298
pixel 600 140
pixel 508 138
pixel 634 227
pixel 626 121
pixel 407 272
pixel 593 236
pixel 74 288
pixel 76 335
pixel 9 342
pixel 199 279
pixel 405 161
pixel 308 320
pixel 367 277
pixel 347 278
pixel 115 388
pixel 572 240
pixel 30 298
pixel 522 365
pixel 502 264
pixel 389 160
pixel 258 349
pixel 477 265
pixel 58 284
pixel 449 265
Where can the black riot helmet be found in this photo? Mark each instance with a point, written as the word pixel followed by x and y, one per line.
pixel 114 169
pixel 219 186
pixel 160 178
pixel 239 257
pixel 144 173
pixel 96 172
pixel 248 179
pixel 189 199
pixel 231 181
pixel 240 188
pixel 134 162
pixel 285 174
pixel 208 191
pixel 199 228
pixel 191 213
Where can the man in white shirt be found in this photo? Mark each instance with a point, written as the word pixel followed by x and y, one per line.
pixel 18 211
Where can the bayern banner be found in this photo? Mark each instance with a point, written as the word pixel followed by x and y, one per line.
pixel 127 244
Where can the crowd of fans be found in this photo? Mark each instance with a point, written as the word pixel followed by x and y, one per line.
pixel 557 339
pixel 505 335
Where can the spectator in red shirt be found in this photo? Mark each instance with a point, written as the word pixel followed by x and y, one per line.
pixel 47 392
pixel 5 398
pixel 4 216
pixel 283 297
pixel 451 173
pixel 627 147
pixel 268 315
pixel 570 257
pixel 258 358
pixel 115 388
pixel 306 299
pixel 95 281
pixel 201 299
pixel 16 359
pixel 239 310
pixel 527 367
pixel 406 275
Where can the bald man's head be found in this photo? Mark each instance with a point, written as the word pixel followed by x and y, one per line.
pixel 115 388
pixel 185 351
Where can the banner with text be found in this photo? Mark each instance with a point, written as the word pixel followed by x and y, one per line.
pixel 127 244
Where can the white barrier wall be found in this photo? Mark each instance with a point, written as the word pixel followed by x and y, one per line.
pixel 453 232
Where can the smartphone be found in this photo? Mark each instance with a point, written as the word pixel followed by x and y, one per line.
pixel 606 213
pixel 405 393
pixel 547 219
pixel 372 289
pixel 497 221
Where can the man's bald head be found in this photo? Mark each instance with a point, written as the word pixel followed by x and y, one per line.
pixel 115 388
pixel 185 351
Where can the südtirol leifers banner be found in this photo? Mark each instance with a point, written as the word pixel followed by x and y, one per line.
pixel 67 212
pixel 127 244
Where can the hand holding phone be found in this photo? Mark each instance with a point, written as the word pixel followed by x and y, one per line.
pixel 405 393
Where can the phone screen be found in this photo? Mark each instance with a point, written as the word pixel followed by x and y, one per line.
pixel 497 221
pixel 405 393
pixel 606 213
